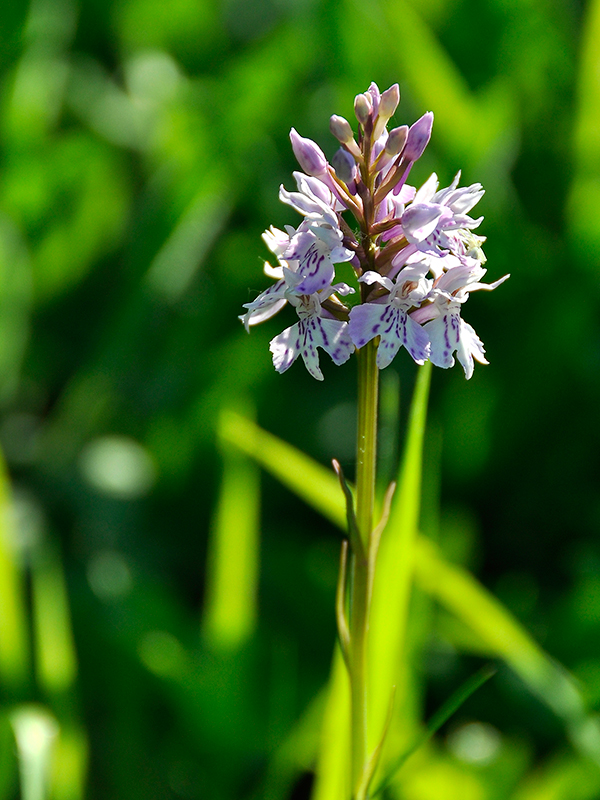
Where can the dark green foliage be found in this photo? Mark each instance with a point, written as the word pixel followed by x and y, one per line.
pixel 142 143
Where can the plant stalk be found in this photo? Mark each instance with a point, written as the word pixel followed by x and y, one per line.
pixel 368 390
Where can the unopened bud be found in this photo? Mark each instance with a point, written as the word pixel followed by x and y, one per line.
pixel 389 101
pixel 309 155
pixel 363 105
pixel 344 165
pixel 387 105
pixel 375 95
pixel 418 137
pixel 341 129
pixel 396 140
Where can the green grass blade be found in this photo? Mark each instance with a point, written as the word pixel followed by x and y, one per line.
pixel 585 188
pixel 14 649
pixel 474 128
pixel 69 764
pixel 394 569
pixel 461 594
pixel 565 776
pixel 333 769
pixel 232 575
pixel 452 586
pixel 8 760
pixel 441 716
pixel 297 753
pixel 36 731
pixel 56 661
pixel 318 486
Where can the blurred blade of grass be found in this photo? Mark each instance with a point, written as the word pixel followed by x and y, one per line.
pixel 315 484
pixel 175 265
pixel 187 26
pixel 332 770
pixel 14 647
pixel 562 778
pixel 56 671
pixel 394 572
pixel 452 586
pixel 35 731
pixel 259 82
pixel 459 592
pixel 69 764
pixel 8 761
pixel 441 716
pixel 56 662
pixel 233 555
pixel 584 196
pixel 297 753
pixel 36 94
pixel 86 176
pixel 15 305
pixel 473 128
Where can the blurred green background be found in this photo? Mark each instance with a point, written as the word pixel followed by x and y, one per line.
pixel 142 144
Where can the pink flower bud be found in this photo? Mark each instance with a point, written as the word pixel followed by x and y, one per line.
pixel 344 165
pixel 389 101
pixel 341 129
pixel 387 105
pixel 309 155
pixel 363 105
pixel 418 137
pixel 396 140
pixel 375 95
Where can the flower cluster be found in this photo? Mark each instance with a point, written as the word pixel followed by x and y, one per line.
pixel 413 252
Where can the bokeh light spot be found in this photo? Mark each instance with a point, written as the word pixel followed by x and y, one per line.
pixel 119 467
pixel 475 743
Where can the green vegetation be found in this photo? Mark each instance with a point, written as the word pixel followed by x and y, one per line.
pixel 169 532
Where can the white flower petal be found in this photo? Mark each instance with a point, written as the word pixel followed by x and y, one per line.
pixel 341 288
pixel 276 240
pixel 470 347
pixel 444 335
pixel 260 315
pixel 272 298
pixel 285 348
pixel 273 272
pixel 316 269
pixel 365 322
pixel 305 337
pixel 420 220
pixel 370 277
pixel 395 328
pixel 427 191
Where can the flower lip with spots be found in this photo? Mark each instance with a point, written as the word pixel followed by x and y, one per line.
pixel 388 317
pixel 314 329
pixel 448 332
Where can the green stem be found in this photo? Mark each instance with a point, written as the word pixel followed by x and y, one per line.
pixel 366 451
pixel 368 387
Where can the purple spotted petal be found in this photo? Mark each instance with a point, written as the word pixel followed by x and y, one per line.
pixel 395 328
pixel 286 348
pixel 399 330
pixel 265 306
pixel 444 335
pixel 315 268
pixel 335 339
pixel 470 347
pixel 304 337
pixel 365 322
